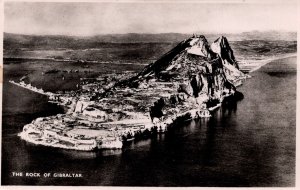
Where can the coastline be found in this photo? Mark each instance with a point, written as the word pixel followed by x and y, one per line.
pixel 189 139
pixel 131 130
pixel 134 129
pixel 257 64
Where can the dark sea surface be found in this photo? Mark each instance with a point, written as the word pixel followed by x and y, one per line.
pixel 251 142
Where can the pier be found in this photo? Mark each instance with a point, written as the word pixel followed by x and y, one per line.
pixel 31 88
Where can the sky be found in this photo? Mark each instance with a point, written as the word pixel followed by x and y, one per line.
pixel 90 18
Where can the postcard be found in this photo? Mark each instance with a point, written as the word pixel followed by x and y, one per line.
pixel 149 93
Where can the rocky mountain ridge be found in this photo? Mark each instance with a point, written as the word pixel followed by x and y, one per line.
pixel 193 61
pixel 188 82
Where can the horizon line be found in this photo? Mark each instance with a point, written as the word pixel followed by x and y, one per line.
pixel 152 33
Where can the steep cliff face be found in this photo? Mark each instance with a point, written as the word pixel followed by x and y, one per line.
pixel 186 83
pixel 189 56
pixel 223 49
pixel 193 72
pixel 195 66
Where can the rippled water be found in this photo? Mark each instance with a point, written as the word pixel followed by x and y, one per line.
pixel 245 143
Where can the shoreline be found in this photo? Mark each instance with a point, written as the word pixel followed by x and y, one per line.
pixel 121 133
pixel 133 130
pixel 257 64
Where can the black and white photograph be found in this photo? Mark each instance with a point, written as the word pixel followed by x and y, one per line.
pixel 140 93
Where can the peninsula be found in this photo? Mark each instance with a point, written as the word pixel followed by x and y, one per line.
pixel 188 82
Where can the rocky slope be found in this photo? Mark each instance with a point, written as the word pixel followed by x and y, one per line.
pixel 193 69
pixel 186 83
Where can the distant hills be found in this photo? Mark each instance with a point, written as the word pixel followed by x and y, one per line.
pixel 12 41
pixel 76 42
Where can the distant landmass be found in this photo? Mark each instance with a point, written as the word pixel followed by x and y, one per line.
pixel 138 48
pixel 60 41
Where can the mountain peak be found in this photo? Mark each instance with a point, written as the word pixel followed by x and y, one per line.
pixel 191 57
pixel 189 50
pixel 221 47
pixel 199 46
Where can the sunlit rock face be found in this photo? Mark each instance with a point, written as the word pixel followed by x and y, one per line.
pixel 192 72
pixel 223 49
pixel 187 82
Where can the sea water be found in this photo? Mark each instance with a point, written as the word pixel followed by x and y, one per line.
pixel 250 142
